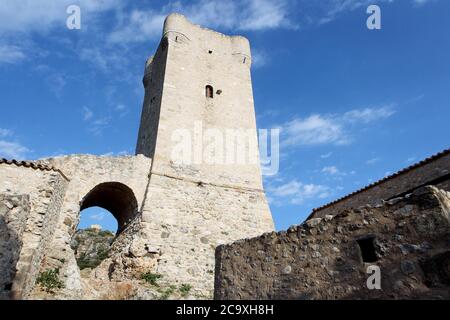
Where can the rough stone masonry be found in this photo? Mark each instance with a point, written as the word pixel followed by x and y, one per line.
pixel 171 216
pixel 407 238
pixel 400 224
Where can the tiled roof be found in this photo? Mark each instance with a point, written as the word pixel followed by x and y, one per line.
pixel 405 170
pixel 32 165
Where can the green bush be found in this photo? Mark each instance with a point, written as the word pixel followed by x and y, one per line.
pixel 85 261
pixel 49 280
pixel 165 294
pixel 106 233
pixel 184 289
pixel 151 278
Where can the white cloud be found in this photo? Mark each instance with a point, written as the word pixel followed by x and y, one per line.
pixel 11 54
pixel 420 2
pixel 367 115
pixel 87 114
pixel 30 15
pixel 143 25
pixel 139 26
pixel 265 14
pixel 121 109
pixel 98 216
pixel 373 161
pixel 326 155
pixel 315 129
pixel 13 150
pixel 97 126
pixel 105 60
pixel 329 129
pixel 332 170
pixel 5 132
pixel 297 192
pixel 259 59
pixel 119 154
pixel 331 9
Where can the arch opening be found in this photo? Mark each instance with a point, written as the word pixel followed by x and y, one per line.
pixel 115 197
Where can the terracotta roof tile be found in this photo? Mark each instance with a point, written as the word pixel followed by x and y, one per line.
pixel 32 165
pixel 402 171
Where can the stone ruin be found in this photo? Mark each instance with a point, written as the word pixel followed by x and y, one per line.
pixel 399 225
pixel 172 217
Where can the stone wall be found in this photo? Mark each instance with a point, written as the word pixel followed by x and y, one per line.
pixel 407 238
pixel 14 211
pixel 45 189
pixel 185 221
pixel 432 171
pixel 85 173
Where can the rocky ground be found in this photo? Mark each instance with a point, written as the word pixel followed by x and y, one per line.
pixel 94 257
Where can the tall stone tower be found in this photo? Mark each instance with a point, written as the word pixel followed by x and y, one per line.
pixel 195 182
pixel 199 82
pixel 198 91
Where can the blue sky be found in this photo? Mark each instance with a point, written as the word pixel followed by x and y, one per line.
pixel 353 104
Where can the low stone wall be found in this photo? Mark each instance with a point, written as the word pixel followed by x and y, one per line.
pixel 407 238
pixel 432 171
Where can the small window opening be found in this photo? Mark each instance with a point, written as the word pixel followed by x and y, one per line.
pixel 209 91
pixel 244 60
pixel 210 51
pixel 176 39
pixel 367 248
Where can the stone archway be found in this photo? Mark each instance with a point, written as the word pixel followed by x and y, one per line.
pixel 115 197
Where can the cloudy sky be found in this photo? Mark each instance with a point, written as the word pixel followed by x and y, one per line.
pixel 353 104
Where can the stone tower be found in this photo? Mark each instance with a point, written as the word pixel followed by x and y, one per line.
pixel 199 83
pixel 171 214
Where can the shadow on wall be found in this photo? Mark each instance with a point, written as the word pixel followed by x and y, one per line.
pixel 10 246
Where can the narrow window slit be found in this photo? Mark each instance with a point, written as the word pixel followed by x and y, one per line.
pixel 209 91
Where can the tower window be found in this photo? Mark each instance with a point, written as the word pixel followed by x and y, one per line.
pixel 209 51
pixel 209 91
